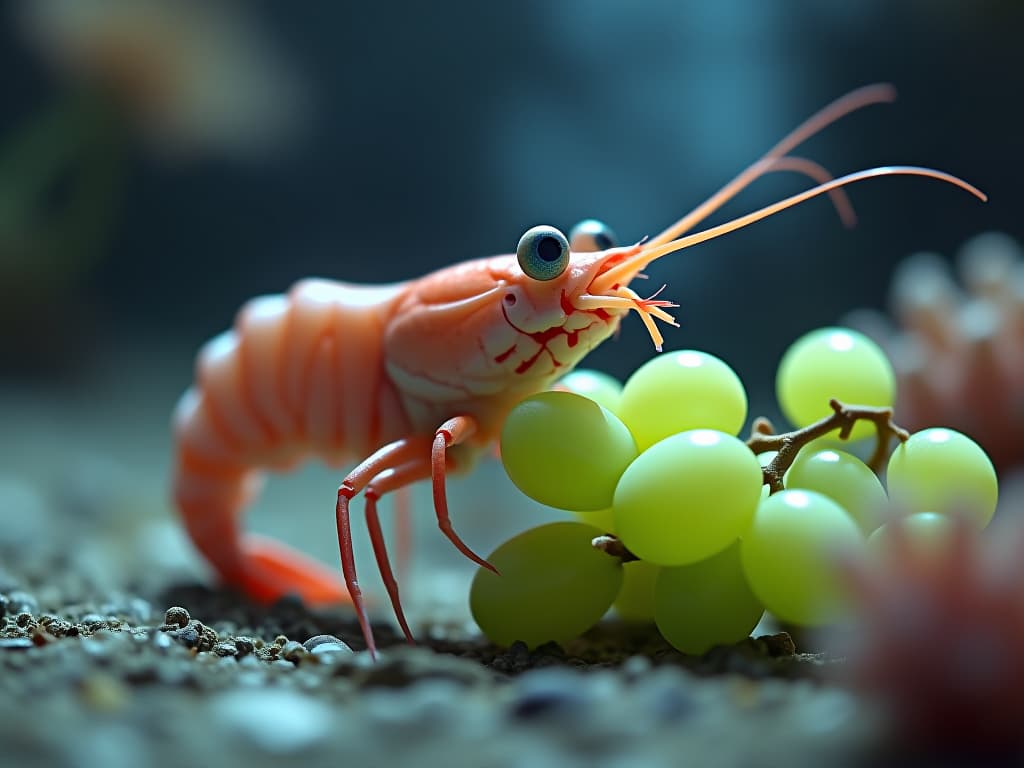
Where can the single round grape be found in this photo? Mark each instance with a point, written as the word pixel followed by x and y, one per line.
pixel 941 470
pixel 846 480
pixel 687 497
pixel 926 533
pixel 565 450
pixel 636 598
pixel 551 585
pixel 789 555
pixel 707 603
pixel 599 387
pixel 833 363
pixel 678 391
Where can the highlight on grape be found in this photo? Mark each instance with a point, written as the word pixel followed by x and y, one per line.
pixel 682 523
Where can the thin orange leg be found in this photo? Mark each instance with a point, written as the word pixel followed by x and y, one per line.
pixel 390 456
pixel 452 432
pixel 391 480
pixel 393 466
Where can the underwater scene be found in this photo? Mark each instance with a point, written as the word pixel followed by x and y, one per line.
pixel 471 384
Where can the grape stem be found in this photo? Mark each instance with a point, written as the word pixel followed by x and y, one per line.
pixel 612 545
pixel 788 444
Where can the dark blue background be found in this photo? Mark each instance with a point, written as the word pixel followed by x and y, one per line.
pixel 439 132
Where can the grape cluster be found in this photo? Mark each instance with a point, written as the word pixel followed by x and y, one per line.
pixel 708 531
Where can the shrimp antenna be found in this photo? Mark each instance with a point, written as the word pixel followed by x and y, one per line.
pixel 623 272
pixel 867 95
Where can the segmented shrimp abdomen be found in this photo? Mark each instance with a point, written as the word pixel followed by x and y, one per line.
pixel 299 375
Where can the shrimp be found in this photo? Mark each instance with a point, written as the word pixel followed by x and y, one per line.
pixel 416 378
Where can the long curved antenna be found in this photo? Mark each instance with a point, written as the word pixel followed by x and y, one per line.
pixel 869 94
pixel 820 174
pixel 623 272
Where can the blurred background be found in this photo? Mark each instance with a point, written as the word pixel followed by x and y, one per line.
pixel 163 161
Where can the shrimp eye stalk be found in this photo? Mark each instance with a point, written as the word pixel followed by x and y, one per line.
pixel 591 235
pixel 543 253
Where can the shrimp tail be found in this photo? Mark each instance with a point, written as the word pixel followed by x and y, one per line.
pixel 211 490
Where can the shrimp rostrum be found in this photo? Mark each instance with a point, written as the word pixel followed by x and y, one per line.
pixel 413 380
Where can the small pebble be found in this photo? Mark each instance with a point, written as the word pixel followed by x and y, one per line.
pixel 177 617
pixel 244 645
pixel 207 636
pixel 225 649
pixel 269 652
pixel 293 651
pixel 187 636
pixel 58 627
pixel 92 621
pixel 317 640
pixel 332 650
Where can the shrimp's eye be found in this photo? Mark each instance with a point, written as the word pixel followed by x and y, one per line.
pixel 543 253
pixel 592 235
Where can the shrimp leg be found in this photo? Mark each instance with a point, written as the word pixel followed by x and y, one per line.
pixel 395 466
pixel 397 479
pixel 452 432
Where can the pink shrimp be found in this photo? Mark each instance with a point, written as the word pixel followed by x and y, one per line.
pixel 416 378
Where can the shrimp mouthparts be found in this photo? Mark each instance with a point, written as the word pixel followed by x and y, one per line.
pixel 609 289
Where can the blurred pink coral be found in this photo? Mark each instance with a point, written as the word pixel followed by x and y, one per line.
pixel 192 74
pixel 959 355
pixel 941 641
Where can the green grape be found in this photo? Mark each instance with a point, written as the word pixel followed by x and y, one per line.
pixel 789 553
pixel 927 533
pixel 707 603
pixel 687 497
pixel 678 391
pixel 833 363
pixel 846 480
pixel 831 442
pixel 636 598
pixel 599 518
pixel 553 586
pixel 600 387
pixel 940 470
pixel 565 450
